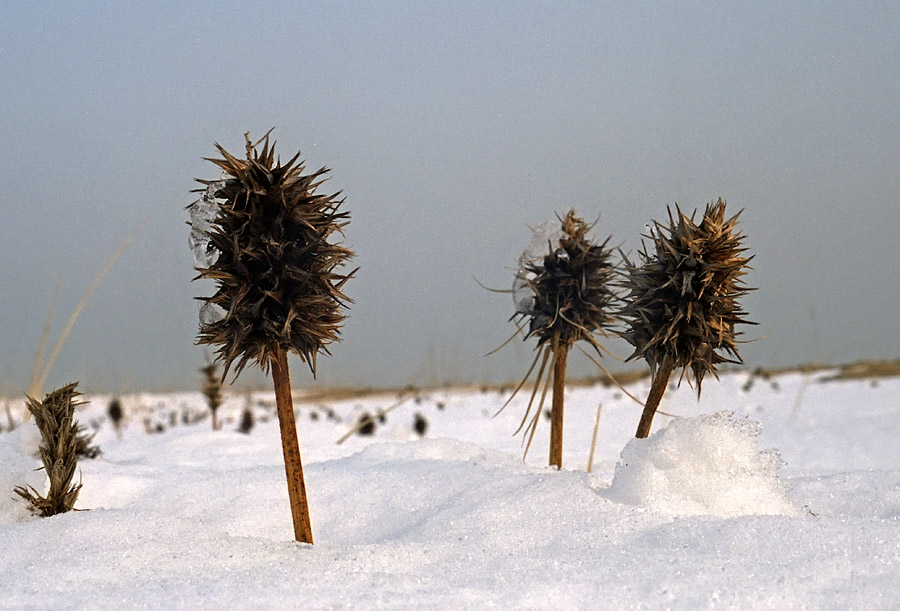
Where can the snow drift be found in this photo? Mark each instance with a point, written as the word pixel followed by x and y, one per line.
pixel 710 465
pixel 195 519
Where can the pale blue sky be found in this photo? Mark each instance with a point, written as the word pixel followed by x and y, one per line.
pixel 451 127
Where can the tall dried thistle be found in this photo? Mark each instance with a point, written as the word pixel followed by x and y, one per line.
pixel 682 303
pixel 571 298
pixel 55 419
pixel 277 285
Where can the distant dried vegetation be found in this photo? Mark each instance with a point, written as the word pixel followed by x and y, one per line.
pixel 679 308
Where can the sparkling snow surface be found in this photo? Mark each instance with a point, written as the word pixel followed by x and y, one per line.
pixel 765 494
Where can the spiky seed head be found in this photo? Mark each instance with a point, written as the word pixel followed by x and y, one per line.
pixel 276 272
pixel 55 419
pixel 572 287
pixel 683 297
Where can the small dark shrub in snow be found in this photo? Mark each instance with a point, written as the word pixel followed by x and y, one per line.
pixel 212 390
pixel 247 422
pixel 83 443
pixel 55 419
pixel 420 424
pixel 366 425
pixel 748 385
pixel 116 414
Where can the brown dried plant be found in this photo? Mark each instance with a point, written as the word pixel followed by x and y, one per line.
pixel 276 277
pixel 55 419
pixel 212 390
pixel 84 443
pixel 570 298
pixel 682 305
pixel 116 415
pixel 274 262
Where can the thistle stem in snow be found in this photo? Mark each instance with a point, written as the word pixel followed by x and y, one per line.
pixel 657 389
pixel 291 448
pixel 556 413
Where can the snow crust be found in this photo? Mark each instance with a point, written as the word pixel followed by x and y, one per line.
pixel 702 514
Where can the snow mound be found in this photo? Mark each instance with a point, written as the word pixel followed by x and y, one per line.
pixel 20 468
pixel 710 465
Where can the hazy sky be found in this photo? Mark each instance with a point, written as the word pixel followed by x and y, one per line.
pixel 451 127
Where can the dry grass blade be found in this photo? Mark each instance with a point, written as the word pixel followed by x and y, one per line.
pixel 610 376
pixel 518 330
pixel 537 415
pixel 522 383
pixel 37 382
pixel 369 419
pixel 590 463
pixel 45 336
pixel 546 351
pixel 487 288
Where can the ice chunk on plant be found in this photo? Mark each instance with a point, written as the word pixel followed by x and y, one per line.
pixel 203 214
pixel 545 238
pixel 211 313
pixel 522 293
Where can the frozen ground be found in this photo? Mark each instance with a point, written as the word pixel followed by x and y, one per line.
pixel 790 502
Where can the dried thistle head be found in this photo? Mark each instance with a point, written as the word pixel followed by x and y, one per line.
pixel 55 419
pixel 571 288
pixel 268 237
pixel 683 297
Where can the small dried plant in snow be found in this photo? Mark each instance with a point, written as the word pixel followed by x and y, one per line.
pixel 55 419
pixel 212 390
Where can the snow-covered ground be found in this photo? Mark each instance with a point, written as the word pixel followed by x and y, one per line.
pixel 790 501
